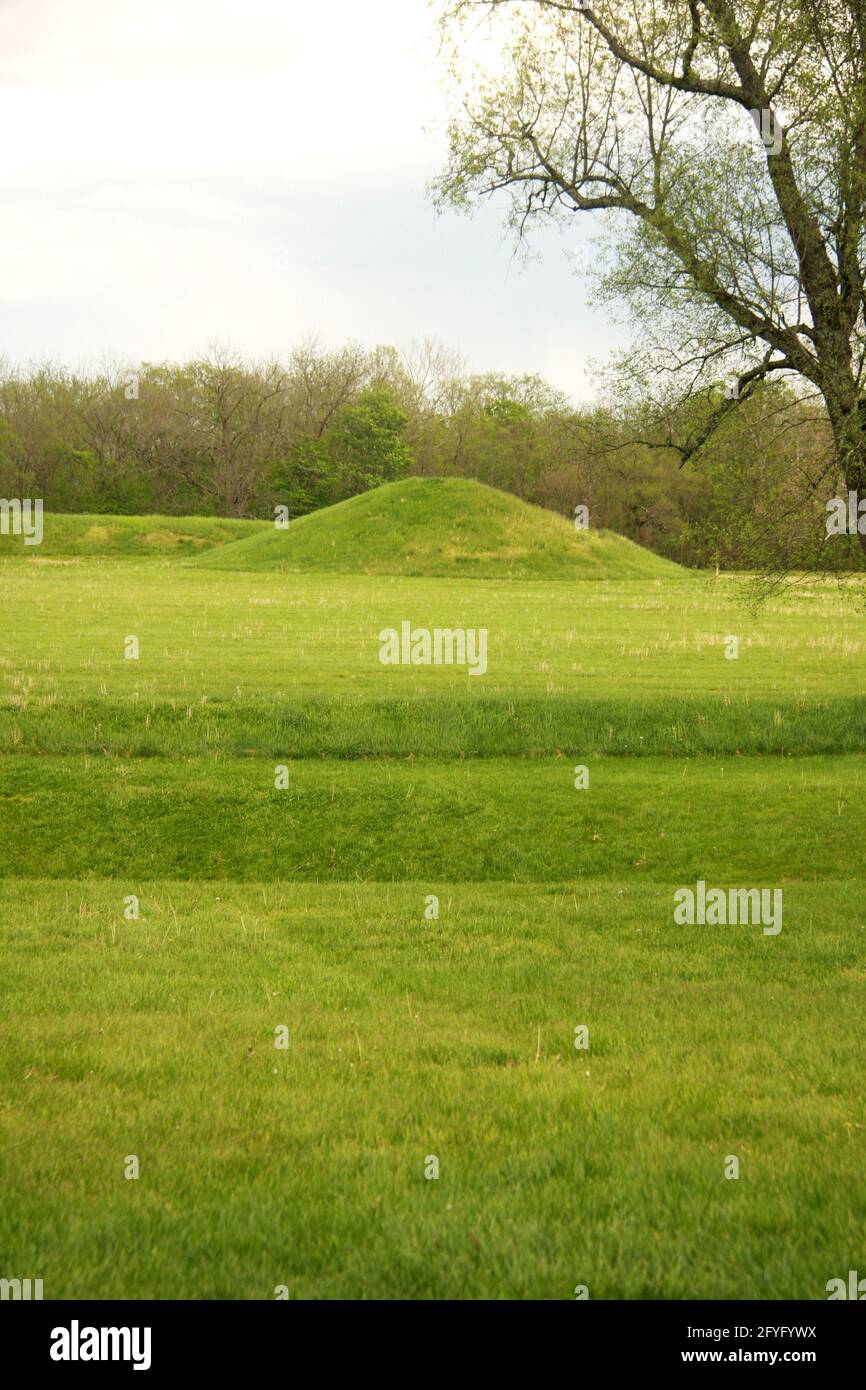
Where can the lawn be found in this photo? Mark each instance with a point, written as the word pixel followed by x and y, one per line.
pixel 408 1039
pixel 412 1036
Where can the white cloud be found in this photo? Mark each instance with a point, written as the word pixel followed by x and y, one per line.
pixel 252 170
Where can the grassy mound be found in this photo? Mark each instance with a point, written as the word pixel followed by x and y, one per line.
pixel 441 527
pixel 132 537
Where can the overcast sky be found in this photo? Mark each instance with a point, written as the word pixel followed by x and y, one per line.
pixel 253 172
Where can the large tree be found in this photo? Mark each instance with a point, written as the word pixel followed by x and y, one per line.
pixel 725 141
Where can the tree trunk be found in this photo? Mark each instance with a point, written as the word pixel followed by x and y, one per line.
pixel 849 436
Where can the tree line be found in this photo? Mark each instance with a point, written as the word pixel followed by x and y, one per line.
pixel 223 436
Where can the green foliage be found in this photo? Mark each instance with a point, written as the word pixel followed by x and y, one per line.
pixel 363 447
pixel 507 412
pixel 367 442
pixel 306 479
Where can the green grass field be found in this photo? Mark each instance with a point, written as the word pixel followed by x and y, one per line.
pixel 70 537
pixel 303 907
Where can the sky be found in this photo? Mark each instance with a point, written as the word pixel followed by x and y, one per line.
pixel 254 173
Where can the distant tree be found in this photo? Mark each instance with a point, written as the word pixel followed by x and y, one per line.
pixel 367 442
pixel 235 416
pixel 38 416
pixel 306 478
pixel 319 383
pixel 362 446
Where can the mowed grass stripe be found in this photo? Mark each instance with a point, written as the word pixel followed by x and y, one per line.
pixel 239 637
pixel 440 726
pixel 742 821
pixel 409 1038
